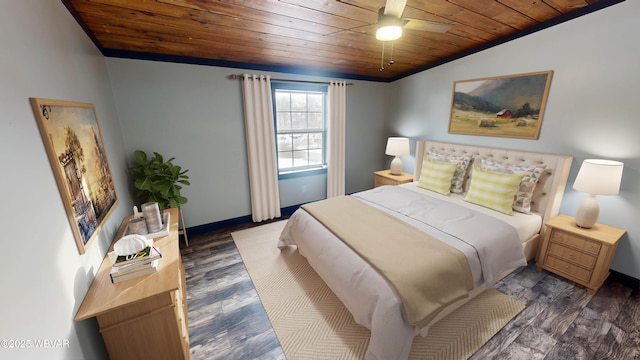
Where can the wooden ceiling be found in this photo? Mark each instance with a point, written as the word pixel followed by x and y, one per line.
pixel 318 37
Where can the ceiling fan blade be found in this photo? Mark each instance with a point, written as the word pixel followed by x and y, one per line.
pixel 395 7
pixel 426 25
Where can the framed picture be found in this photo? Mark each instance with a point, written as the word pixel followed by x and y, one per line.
pixel 76 152
pixel 507 106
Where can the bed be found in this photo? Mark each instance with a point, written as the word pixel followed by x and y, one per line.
pixel 370 290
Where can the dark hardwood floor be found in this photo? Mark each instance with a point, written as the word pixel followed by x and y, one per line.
pixel 561 321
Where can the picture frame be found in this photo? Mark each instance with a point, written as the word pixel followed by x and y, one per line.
pixel 73 141
pixel 505 106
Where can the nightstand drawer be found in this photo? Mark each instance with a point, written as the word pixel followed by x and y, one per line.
pixel 384 181
pixel 570 254
pixel 572 271
pixel 581 255
pixel 570 240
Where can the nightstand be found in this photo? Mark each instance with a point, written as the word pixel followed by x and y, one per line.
pixel 577 254
pixel 384 177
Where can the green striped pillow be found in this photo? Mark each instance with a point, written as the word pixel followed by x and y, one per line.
pixel 436 175
pixel 493 190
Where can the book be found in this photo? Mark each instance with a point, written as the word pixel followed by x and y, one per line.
pixel 146 255
pixel 117 276
pixel 128 268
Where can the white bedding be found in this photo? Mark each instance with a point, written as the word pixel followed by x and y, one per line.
pixel 526 225
pixel 365 293
pixel 464 226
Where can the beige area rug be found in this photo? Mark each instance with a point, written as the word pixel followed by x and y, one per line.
pixel 311 322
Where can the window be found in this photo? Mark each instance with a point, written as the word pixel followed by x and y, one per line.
pixel 300 117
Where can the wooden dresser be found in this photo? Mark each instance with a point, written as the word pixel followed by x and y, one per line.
pixel 145 317
pixel 577 254
pixel 384 177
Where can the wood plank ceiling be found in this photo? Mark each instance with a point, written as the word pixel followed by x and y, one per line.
pixel 323 37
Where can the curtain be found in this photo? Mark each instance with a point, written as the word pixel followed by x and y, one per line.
pixel 261 147
pixel 336 138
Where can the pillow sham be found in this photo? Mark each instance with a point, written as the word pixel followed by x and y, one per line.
pixel 493 190
pixel 462 162
pixel 532 173
pixel 436 175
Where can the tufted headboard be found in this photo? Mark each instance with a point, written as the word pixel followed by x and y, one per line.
pixel 549 190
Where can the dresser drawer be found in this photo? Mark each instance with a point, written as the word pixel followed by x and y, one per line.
pixel 572 255
pixel 572 271
pixel 592 247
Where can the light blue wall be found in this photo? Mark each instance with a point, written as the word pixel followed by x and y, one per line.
pixel 195 114
pixel 591 110
pixel 46 54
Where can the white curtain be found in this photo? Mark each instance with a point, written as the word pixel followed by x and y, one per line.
pixel 336 141
pixel 261 147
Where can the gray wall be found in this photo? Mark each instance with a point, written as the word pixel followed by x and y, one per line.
pixel 195 114
pixel 46 54
pixel 591 110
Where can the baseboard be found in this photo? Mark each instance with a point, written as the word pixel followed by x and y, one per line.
pixel 285 213
pixel 624 279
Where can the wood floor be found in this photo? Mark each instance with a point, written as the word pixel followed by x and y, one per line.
pixel 561 321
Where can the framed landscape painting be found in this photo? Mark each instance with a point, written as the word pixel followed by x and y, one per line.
pixel 507 106
pixel 76 152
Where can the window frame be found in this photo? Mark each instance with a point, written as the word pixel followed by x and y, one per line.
pixel 306 171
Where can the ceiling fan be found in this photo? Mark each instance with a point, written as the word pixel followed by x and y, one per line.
pixel 390 25
pixel 391 22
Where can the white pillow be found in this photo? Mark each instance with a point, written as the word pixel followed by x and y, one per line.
pixel 436 175
pixel 493 190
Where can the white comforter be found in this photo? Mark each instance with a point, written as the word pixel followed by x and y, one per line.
pixel 365 293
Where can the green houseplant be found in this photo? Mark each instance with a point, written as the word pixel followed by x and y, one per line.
pixel 157 180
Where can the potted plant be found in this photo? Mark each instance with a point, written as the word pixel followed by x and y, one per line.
pixel 157 180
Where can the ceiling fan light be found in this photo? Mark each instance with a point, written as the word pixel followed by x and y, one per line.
pixel 388 32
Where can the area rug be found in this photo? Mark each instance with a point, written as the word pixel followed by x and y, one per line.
pixel 311 322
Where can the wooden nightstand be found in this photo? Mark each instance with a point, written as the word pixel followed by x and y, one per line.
pixel 384 177
pixel 577 254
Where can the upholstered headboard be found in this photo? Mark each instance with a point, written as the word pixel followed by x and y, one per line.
pixel 550 188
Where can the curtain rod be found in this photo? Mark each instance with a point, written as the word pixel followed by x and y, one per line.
pixel 239 76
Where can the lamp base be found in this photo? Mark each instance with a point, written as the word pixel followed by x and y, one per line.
pixel 396 166
pixel 588 212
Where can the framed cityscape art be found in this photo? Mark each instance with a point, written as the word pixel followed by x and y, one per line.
pixel 76 152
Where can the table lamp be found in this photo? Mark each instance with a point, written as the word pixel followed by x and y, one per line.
pixel 397 146
pixel 596 177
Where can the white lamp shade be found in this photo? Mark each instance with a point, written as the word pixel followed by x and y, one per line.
pixel 599 177
pixel 596 177
pixel 397 146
